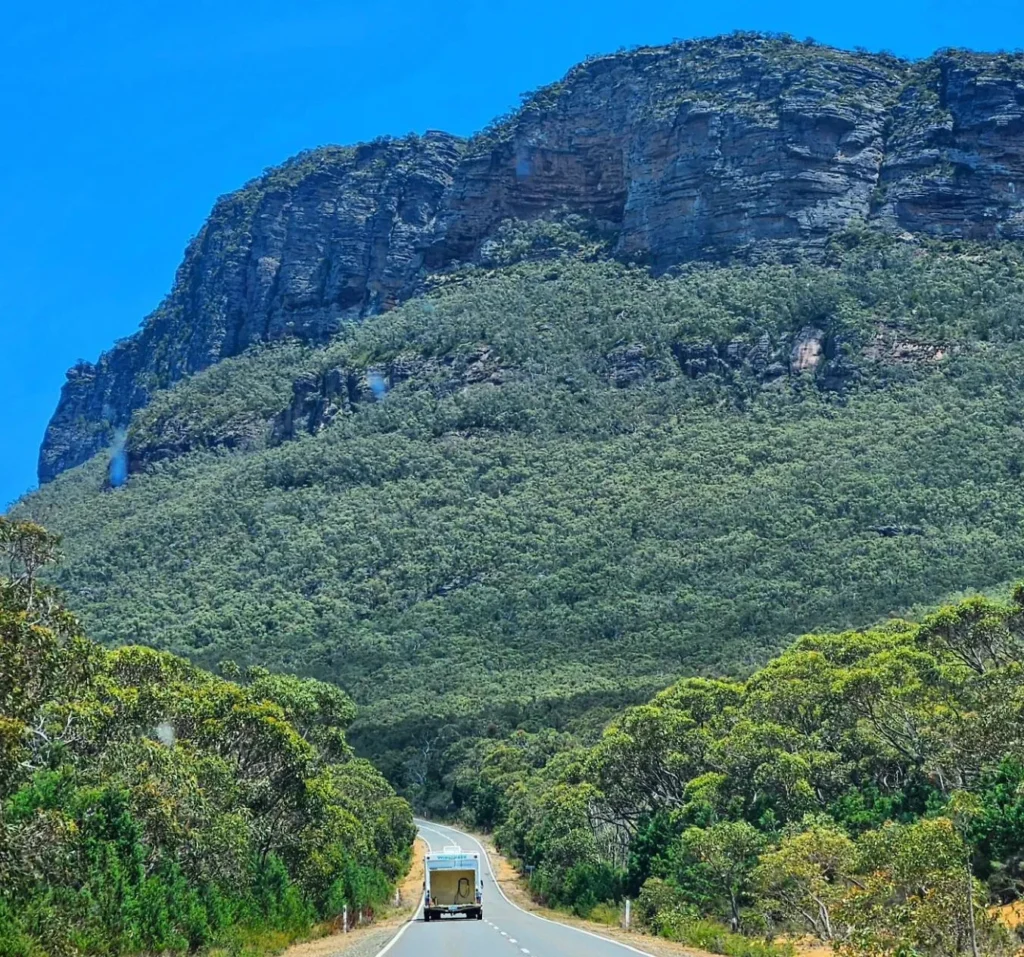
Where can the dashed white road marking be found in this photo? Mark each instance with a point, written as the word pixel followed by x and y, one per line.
pixel 547 920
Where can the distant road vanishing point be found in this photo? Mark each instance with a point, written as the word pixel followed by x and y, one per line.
pixel 505 930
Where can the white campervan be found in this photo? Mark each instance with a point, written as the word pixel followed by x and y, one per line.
pixel 453 885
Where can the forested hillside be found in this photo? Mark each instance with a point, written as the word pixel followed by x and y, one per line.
pixel 864 788
pixel 147 806
pixel 705 347
pixel 555 485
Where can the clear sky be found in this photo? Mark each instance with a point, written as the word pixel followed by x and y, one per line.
pixel 123 121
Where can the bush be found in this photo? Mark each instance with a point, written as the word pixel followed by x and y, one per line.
pixel 13 940
pixel 581 888
pixel 718 939
pixel 607 913
pixel 161 809
pixel 657 900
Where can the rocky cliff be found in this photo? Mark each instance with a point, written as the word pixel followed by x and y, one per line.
pixel 742 147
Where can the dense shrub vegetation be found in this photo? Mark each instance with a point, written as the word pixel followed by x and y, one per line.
pixel 598 515
pixel 147 806
pixel 864 788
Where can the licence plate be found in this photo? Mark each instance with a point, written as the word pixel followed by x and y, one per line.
pixel 452 909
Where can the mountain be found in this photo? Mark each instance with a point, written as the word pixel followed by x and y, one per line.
pixel 547 489
pixel 705 347
pixel 747 147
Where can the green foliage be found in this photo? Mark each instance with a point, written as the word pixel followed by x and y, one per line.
pixel 916 894
pixel 809 873
pixel 548 550
pixel 723 856
pixel 714 937
pixel 496 563
pixel 147 806
pixel 580 887
pixel 662 909
pixel 858 788
pixel 997 832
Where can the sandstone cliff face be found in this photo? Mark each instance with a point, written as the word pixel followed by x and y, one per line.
pixel 740 147
pixel 333 236
pixel 700 151
pixel 954 164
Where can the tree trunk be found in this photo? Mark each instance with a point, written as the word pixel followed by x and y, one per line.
pixel 970 906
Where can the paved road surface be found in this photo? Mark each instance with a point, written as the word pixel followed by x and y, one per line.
pixel 505 931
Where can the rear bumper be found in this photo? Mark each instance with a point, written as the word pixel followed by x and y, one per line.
pixel 434 913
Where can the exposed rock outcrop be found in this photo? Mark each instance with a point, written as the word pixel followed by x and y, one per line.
pixel 330 237
pixel 322 397
pixel 317 400
pixel 738 147
pixel 954 162
pixel 810 352
pixel 806 354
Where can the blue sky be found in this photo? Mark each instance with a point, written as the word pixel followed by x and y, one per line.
pixel 123 121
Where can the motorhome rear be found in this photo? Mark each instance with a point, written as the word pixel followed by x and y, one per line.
pixel 453 885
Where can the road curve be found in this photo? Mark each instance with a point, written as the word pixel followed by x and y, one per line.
pixel 505 930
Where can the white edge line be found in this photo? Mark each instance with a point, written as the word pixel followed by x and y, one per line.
pixel 416 914
pixel 394 940
pixel 547 920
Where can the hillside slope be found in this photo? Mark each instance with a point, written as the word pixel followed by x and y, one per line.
pixel 549 488
pixel 745 147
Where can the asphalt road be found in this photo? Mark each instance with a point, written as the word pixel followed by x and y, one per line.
pixel 505 931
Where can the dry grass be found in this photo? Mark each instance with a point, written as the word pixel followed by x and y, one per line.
pixel 810 947
pixel 411 889
pixel 1012 915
